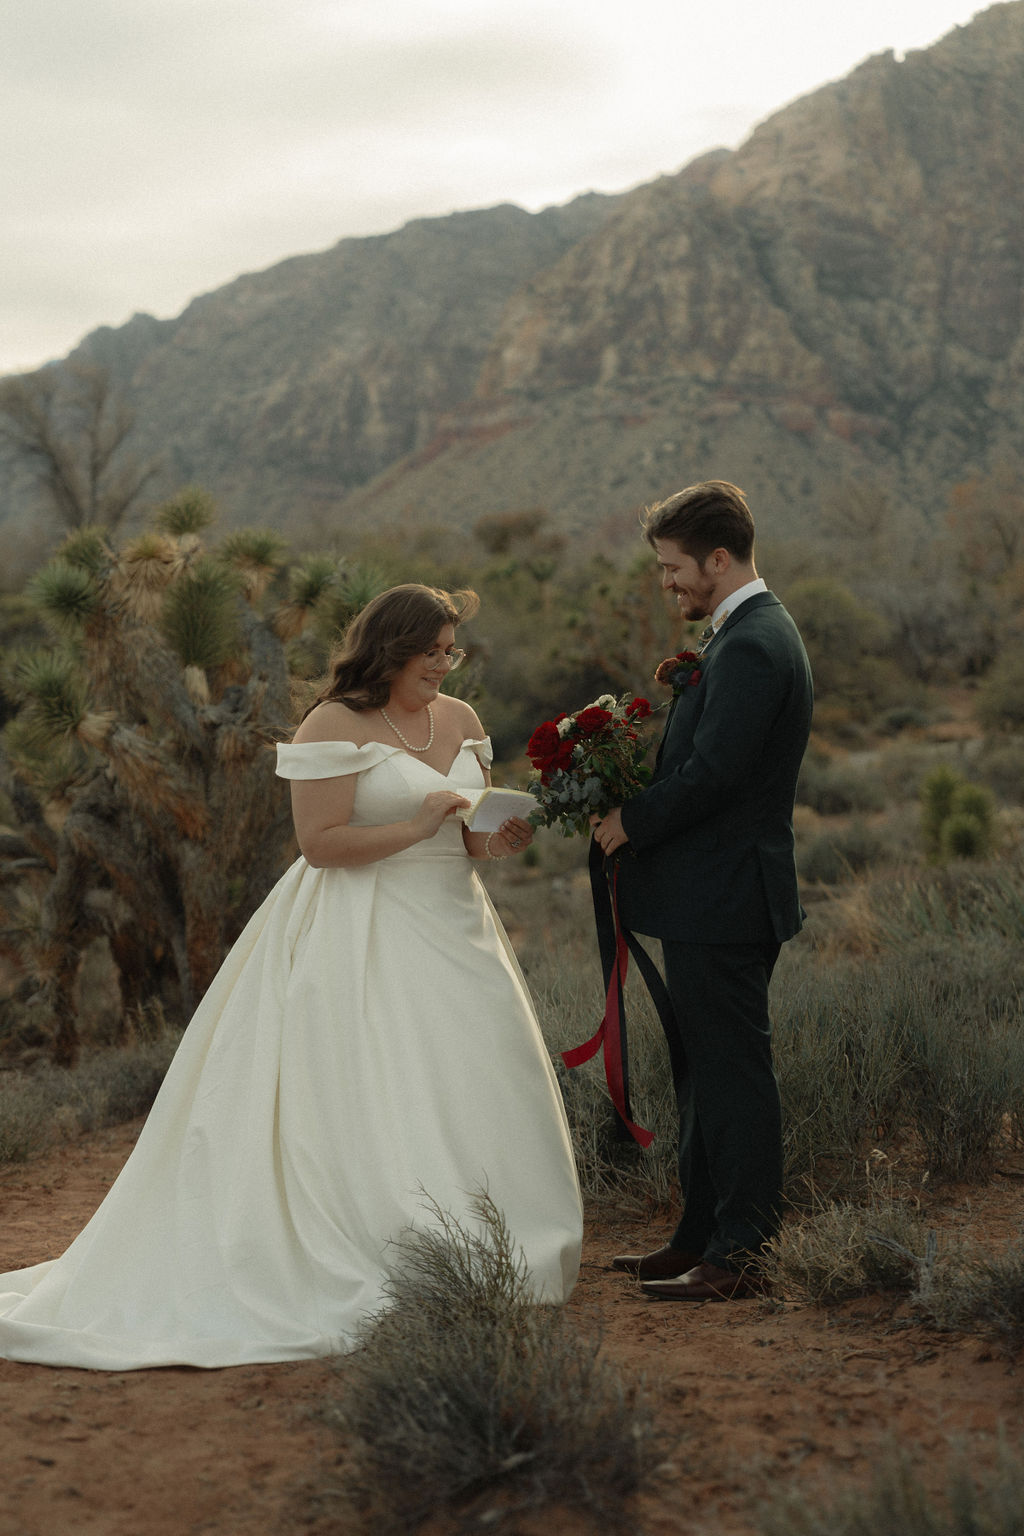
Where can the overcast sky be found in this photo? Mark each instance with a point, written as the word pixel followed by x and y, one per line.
pixel 154 149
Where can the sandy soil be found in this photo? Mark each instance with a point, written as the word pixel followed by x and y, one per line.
pixel 751 1396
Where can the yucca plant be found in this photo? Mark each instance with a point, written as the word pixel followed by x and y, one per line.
pixel 185 823
pixel 69 596
pixel 200 616
pixel 309 583
pixel 189 512
pixel 256 555
pixel 87 548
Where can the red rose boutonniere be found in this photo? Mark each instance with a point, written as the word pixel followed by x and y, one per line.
pixel 679 672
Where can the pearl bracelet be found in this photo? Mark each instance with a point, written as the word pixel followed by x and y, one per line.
pixel 487 848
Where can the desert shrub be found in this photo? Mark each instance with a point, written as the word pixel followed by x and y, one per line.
pixel 832 1253
pixel 973 1293
pixel 962 1081
pixel 1000 705
pixel 964 904
pixel 106 1088
pixel 1000 765
pixel 465 1394
pixel 837 789
pixel 840 1061
pixel 26 1118
pixel 840 852
pixel 109 1087
pixel 899 1504
pixel 902 717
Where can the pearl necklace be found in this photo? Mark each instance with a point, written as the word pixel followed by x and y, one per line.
pixel 404 739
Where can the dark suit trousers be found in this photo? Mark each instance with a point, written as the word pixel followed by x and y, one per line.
pixel 730 1141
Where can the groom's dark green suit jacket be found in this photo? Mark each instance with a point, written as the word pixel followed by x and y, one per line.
pixel 710 854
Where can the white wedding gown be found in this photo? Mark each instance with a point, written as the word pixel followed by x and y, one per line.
pixel 368 1042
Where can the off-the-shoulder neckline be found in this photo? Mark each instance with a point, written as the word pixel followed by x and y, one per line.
pixel 385 746
pixel 357 758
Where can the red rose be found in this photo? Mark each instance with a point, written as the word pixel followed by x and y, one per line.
pixel 694 678
pixel 563 757
pixel 589 721
pixel 543 745
pixel 640 708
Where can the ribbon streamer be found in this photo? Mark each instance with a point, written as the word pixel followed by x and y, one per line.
pixel 616 945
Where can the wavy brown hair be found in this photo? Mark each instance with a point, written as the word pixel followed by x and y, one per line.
pixel 394 627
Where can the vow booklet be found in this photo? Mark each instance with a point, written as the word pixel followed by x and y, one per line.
pixel 493 806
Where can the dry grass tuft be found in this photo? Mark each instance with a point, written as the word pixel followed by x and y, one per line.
pixel 899 1504
pixel 470 1399
pixel 842 1250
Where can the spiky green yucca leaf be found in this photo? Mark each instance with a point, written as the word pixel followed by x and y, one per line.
pixel 256 554
pixel 53 693
pixel 360 583
pixel 87 549
pixel 253 547
pixel 47 767
pixel 340 604
pixel 67 594
pixel 311 579
pixel 190 511
pixel 200 616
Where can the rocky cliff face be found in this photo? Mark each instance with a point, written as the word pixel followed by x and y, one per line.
pixel 841 295
pixel 302 381
pixel 840 298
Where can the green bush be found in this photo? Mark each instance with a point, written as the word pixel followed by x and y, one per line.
pixel 957 817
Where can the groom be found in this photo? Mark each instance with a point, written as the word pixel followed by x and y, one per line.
pixel 707 867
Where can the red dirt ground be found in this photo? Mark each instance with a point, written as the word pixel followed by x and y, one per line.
pixel 752 1396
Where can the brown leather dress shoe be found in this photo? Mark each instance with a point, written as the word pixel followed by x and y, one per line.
pixel 664 1264
pixel 707 1282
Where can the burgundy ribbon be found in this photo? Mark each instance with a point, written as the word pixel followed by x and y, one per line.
pixel 611 1032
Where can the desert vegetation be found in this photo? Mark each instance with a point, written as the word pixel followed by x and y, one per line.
pixel 145 680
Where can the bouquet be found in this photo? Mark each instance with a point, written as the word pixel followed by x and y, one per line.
pixel 588 761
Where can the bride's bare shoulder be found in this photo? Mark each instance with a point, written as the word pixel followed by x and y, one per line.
pixel 459 713
pixel 332 721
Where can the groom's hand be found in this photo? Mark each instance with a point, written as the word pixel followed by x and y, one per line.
pixel 608 831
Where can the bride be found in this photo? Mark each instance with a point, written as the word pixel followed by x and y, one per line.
pixel 366 1052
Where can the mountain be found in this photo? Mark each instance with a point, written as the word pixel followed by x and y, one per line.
pixel 838 299
pixel 286 388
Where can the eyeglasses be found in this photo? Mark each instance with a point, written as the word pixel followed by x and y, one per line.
pixel 454 657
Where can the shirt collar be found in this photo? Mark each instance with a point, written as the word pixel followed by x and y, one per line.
pixel 729 604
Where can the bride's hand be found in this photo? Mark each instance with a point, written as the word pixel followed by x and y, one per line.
pixel 434 810
pixel 512 837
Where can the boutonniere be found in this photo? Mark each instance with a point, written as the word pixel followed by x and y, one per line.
pixel 679 672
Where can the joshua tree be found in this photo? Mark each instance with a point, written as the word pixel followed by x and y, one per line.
pixel 146 732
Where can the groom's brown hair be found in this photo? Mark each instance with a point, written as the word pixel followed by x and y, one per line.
pixel 711 515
